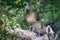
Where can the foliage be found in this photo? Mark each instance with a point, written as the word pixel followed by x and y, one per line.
pixel 12 15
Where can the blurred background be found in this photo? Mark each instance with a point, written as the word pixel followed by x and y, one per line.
pixel 13 13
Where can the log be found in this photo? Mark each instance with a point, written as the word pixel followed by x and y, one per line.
pixel 26 35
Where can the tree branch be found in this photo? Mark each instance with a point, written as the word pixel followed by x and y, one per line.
pixel 26 35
